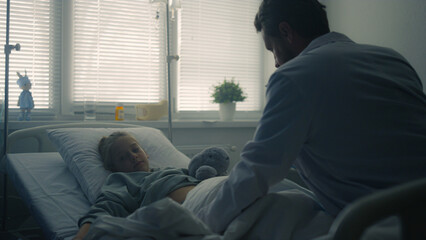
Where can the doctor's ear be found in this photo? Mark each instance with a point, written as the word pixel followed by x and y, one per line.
pixel 286 31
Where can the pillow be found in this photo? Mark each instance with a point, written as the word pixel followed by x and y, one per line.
pixel 79 149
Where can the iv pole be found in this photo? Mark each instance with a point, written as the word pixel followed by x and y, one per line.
pixel 170 5
pixel 7 50
pixel 169 59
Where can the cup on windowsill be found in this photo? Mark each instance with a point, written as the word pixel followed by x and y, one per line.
pixel 89 108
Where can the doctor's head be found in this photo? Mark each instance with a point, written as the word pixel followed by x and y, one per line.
pixel 288 26
pixel 121 152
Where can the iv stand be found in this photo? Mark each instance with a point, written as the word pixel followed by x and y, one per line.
pixel 7 50
pixel 169 61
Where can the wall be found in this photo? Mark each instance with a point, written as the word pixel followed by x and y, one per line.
pixel 398 24
pixel 393 23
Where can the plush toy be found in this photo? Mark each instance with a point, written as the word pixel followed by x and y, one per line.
pixel 25 102
pixel 210 162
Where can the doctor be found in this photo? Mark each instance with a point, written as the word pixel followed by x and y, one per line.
pixel 350 117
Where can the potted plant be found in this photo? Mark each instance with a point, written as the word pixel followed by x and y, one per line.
pixel 227 94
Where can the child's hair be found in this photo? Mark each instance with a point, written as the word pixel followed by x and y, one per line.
pixel 104 148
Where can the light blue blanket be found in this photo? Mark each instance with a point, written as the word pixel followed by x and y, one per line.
pixel 288 214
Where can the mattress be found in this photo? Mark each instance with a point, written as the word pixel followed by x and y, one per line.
pixel 50 191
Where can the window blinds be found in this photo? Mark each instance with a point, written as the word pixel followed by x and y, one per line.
pixel 36 26
pixel 218 40
pixel 119 51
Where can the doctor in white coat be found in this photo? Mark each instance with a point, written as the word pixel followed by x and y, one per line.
pixel 350 117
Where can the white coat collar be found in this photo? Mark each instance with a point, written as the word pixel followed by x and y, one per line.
pixel 325 39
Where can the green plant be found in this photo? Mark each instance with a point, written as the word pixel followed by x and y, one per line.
pixel 228 92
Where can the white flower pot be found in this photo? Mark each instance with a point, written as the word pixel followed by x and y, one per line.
pixel 227 111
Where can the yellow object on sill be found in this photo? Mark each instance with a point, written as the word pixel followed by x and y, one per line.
pixel 151 111
pixel 119 112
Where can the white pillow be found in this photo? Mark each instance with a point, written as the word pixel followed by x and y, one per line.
pixel 79 149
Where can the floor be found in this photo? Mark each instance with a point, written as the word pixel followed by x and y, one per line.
pixel 35 234
pixel 28 230
pixel 20 225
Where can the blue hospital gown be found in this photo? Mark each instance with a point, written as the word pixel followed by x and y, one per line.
pixel 123 193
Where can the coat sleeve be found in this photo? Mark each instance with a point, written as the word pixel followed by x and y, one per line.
pixel 266 159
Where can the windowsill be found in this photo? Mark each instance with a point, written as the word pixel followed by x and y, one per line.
pixel 160 124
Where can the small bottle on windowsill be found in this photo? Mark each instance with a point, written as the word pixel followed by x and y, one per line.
pixel 119 112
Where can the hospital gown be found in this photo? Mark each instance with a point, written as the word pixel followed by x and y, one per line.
pixel 123 193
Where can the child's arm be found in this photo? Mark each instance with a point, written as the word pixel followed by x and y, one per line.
pixel 179 195
pixel 82 232
pixel 115 200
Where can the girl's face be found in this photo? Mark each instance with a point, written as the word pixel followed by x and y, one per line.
pixel 128 156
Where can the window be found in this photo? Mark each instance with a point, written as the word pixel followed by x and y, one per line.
pixel 36 26
pixel 118 51
pixel 115 50
pixel 218 40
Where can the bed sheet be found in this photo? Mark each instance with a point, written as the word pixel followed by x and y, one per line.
pixel 289 212
pixel 49 190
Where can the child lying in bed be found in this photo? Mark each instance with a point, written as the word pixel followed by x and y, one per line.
pixel 132 184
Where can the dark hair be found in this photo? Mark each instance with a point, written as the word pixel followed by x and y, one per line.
pixel 104 148
pixel 307 17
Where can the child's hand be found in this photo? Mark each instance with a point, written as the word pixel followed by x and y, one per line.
pixel 82 232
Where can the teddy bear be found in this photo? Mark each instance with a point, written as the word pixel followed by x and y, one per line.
pixel 210 162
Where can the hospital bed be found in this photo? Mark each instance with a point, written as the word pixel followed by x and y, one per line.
pixel 52 192
pixel 56 198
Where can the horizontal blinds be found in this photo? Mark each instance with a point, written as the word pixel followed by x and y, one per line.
pixel 218 40
pixel 119 51
pixel 36 26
